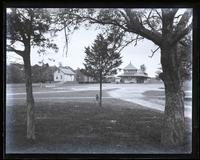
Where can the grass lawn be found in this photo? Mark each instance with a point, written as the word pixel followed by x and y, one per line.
pixel 83 127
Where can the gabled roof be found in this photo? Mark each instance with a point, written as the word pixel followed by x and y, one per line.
pixel 126 75
pixel 66 70
pixel 140 73
pixel 130 67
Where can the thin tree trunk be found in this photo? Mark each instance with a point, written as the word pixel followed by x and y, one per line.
pixel 100 95
pixel 174 126
pixel 29 98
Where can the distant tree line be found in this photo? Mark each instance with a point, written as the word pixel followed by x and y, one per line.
pixel 15 73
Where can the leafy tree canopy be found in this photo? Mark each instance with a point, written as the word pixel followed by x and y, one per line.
pixel 102 56
pixel 28 27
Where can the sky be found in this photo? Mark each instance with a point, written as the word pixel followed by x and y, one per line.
pixel 82 38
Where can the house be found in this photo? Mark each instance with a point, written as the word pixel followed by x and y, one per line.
pixel 82 77
pixel 133 75
pixel 64 74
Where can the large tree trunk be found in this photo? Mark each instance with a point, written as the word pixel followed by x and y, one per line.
pixel 173 132
pixel 29 98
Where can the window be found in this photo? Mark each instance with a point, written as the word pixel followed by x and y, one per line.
pixel 56 77
pixel 60 76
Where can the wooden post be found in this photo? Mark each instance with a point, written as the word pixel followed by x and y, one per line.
pixel 100 95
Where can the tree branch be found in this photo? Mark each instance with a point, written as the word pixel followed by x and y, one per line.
pixel 14 39
pixel 11 49
pixel 147 20
pixel 180 34
pixel 184 20
pixel 135 39
pixel 124 15
pixel 174 11
pixel 178 16
pixel 154 36
pixel 158 14
pixel 111 22
pixel 153 52
pixel 21 14
pixel 135 27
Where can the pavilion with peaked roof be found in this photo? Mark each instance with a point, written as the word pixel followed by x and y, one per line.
pixel 133 75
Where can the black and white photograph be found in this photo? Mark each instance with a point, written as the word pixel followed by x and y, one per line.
pixel 98 80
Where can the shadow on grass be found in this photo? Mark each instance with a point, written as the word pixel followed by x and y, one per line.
pixel 77 127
